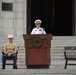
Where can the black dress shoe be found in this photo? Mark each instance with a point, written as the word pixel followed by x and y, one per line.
pixel 15 67
pixel 3 66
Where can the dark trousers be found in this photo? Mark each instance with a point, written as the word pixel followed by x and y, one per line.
pixel 13 56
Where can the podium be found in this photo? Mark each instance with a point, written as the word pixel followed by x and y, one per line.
pixel 37 48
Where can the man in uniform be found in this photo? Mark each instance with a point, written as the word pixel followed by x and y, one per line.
pixel 38 29
pixel 10 50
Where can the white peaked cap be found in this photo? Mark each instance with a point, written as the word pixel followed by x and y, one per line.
pixel 38 21
pixel 10 36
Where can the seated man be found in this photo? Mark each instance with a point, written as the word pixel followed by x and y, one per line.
pixel 10 50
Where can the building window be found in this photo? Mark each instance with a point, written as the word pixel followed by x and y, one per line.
pixel 7 6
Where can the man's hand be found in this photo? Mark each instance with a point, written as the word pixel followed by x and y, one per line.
pixel 14 52
pixel 5 52
pixel 9 54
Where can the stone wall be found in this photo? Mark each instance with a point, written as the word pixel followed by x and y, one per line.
pixel 13 21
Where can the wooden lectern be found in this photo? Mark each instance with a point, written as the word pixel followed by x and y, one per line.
pixel 37 49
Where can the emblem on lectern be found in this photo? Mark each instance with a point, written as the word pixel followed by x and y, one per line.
pixel 37 42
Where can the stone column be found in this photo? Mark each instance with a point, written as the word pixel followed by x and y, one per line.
pixel 20 17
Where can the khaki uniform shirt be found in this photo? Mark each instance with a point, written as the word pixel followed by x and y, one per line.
pixel 10 47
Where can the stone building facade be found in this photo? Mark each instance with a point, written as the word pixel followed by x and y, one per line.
pixel 19 20
pixel 13 21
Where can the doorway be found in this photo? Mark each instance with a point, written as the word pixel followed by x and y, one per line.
pixel 56 16
pixel 63 18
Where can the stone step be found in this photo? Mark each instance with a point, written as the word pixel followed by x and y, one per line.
pixel 53 65
pixel 52 58
pixel 54 42
pixel 38 72
pixel 51 51
pixel 52 47
pixel 21 52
